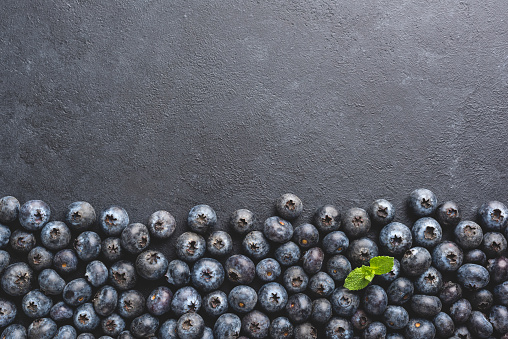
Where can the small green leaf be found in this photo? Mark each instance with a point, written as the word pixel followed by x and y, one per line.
pixel 368 273
pixel 381 265
pixel 356 279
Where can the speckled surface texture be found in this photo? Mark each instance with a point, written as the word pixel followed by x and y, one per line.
pixel 166 104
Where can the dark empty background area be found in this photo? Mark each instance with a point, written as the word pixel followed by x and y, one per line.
pixel 166 104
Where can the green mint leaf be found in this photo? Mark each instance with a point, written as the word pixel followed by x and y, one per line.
pixel 368 273
pixel 356 280
pixel 381 265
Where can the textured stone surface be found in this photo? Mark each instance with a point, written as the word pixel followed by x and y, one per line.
pixel 167 104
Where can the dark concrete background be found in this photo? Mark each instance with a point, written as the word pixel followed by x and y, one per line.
pixel 166 104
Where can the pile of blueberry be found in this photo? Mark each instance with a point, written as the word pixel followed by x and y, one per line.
pixel 449 278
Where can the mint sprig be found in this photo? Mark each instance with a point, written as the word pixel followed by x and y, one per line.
pixel 360 277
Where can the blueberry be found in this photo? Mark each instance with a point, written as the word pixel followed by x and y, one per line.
pixel 426 306
pixel 272 297
pixel 112 249
pixel 448 214
pixel 122 275
pixel 80 215
pixel 462 332
pixel 77 292
pixel 135 238
pixel 321 311
pixel 190 246
pixel 375 330
pixel 9 209
pixel 481 300
pixel 444 325
pixel 186 299
pixel 242 221
pixel 381 212
pixel 422 202
pixel 87 245
pixel 295 279
pixel 468 235
pixel 228 326
pixel 85 319
pixel 498 269
pixel 418 328
pixel 394 273
pixel 255 245
pixel 36 304
pixel 306 235
pixel 5 235
pixel 289 206
pixel 178 273
pixel 278 230
pixel 114 220
pixel 22 241
pixel 40 258
pixel 5 258
pixel 66 332
pixel 190 326
pixel 201 218
pixel 335 242
pixel 472 276
pixel 242 299
pixel 91 336
pixel 50 282
pixel 426 232
pixel 207 274
pixel 281 328
pixel 360 320
pixel 215 303
pixel 501 293
pixel 305 331
pixel 17 279
pixel 355 222
pixel 8 312
pixel 344 302
pixel 240 269
pixel 161 224
pixel 395 317
pixel 268 269
pixel 16 331
pixel 55 235
pixel 168 330
pixel 361 250
pixel 65 261
pixel 219 244
pixel 287 254
pixel 112 325
pixel 151 265
pixel 34 214
pixel 450 293
pixel 400 291
pixel 498 316
pixel 42 328
pixel 493 216
pixel 395 335
pixel 460 311
pixel 479 325
pixel 96 273
pixel 321 285
pixel 447 256
pixel 61 311
pixel 159 301
pixel 475 256
pixel 338 267
pixel 144 326
pixel 207 333
pixel 299 308
pixel 429 282
pixel 374 300
pixel 327 219
pixel 395 238
pixel 131 304
pixel 105 300
pixel 256 325
pixel 312 260
pixel 494 244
